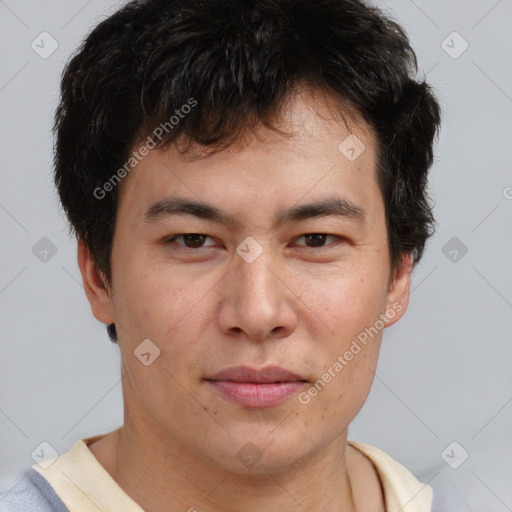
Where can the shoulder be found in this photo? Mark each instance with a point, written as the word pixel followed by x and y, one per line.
pixel 401 488
pixel 31 493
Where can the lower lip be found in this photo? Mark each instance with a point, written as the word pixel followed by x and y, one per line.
pixel 251 394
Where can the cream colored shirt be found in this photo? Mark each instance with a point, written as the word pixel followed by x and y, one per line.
pixel 84 485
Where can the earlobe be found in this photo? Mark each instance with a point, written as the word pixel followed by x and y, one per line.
pixel 95 285
pixel 399 291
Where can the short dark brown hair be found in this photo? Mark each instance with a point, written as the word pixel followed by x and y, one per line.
pixel 238 60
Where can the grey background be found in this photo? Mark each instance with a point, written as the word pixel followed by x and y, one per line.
pixel 445 369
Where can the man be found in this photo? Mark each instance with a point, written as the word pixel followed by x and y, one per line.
pixel 247 183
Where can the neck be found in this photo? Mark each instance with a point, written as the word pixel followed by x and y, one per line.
pixel 177 480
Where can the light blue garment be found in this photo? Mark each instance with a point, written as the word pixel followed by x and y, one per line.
pixel 447 498
pixel 32 493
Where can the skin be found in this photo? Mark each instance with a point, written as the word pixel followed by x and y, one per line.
pixel 298 306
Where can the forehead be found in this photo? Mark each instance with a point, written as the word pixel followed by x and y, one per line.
pixel 326 148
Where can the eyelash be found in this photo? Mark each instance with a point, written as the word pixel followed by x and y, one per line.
pixel 174 237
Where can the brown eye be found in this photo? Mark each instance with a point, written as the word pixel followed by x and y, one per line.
pixel 190 240
pixel 316 239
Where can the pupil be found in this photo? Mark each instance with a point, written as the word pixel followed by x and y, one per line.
pixel 317 238
pixel 192 239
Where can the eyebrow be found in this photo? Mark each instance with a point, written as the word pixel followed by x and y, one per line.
pixel 336 206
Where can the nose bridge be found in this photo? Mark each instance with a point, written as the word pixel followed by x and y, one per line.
pixel 256 300
pixel 255 273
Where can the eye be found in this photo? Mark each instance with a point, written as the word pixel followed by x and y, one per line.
pixel 191 240
pixel 196 240
pixel 317 239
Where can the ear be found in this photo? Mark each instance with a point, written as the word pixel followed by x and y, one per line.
pixel 399 291
pixel 97 293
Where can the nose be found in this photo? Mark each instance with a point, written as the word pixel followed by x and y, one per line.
pixel 258 299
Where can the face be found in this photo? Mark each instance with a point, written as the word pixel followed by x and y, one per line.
pixel 243 284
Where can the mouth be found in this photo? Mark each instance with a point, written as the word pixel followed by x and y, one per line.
pixel 256 388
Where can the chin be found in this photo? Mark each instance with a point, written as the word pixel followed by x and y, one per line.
pixel 261 452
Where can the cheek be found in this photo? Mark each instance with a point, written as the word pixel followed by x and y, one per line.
pixel 333 408
pixel 344 346
pixel 342 386
pixel 173 313
pixel 344 303
pixel 155 304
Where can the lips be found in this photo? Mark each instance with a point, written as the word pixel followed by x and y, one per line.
pixel 268 374
pixel 252 388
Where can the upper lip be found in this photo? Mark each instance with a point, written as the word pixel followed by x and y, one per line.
pixel 262 375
